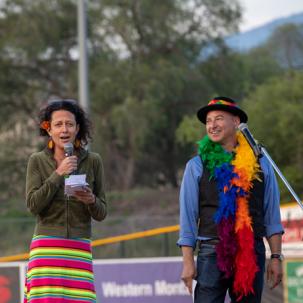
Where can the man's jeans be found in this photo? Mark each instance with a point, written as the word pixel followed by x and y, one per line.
pixel 212 287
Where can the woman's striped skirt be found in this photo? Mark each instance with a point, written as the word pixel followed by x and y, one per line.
pixel 60 271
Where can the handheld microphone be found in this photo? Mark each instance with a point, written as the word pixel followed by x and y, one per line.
pixel 68 149
pixel 250 139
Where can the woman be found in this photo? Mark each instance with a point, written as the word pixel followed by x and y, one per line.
pixel 60 264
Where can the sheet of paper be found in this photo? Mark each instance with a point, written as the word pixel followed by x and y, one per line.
pixel 74 183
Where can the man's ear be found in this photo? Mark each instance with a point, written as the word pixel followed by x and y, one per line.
pixel 236 121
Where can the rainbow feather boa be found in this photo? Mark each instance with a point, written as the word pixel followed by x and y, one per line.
pixel 234 174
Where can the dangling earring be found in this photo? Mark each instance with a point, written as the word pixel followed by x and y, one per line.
pixel 50 143
pixel 77 143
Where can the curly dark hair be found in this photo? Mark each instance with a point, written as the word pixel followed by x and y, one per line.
pixel 85 126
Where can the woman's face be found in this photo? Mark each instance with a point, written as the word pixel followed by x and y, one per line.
pixel 63 128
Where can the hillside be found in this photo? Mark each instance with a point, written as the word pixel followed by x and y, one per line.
pixel 145 202
pixel 247 40
pixel 133 211
pixel 140 209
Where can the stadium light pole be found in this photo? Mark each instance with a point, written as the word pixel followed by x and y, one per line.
pixel 83 57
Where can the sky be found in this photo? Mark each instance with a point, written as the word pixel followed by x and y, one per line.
pixel 259 12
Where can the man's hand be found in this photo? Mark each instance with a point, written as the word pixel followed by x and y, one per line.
pixel 274 268
pixel 188 274
pixel 189 270
pixel 274 272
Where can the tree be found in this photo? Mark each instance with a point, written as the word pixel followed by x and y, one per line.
pixel 274 111
pixel 234 74
pixel 36 43
pixel 143 79
pixel 156 44
pixel 286 46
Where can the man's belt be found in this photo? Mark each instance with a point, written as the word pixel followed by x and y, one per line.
pixel 213 241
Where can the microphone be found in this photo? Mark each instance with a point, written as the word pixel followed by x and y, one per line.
pixel 68 149
pixel 250 139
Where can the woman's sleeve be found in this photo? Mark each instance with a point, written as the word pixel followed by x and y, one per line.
pixel 98 210
pixel 39 193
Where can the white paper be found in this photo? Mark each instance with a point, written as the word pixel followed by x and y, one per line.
pixel 194 283
pixel 74 183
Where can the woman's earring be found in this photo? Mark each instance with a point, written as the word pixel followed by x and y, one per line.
pixel 77 143
pixel 50 143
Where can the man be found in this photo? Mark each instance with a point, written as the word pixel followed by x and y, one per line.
pixel 229 201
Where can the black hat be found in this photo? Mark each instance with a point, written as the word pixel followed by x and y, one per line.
pixel 222 103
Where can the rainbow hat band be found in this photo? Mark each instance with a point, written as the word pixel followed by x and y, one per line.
pixel 222 103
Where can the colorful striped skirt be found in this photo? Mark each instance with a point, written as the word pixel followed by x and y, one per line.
pixel 60 270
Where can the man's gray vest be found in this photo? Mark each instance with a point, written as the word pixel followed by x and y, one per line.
pixel 209 202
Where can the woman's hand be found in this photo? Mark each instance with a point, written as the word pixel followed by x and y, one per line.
pixel 67 166
pixel 86 195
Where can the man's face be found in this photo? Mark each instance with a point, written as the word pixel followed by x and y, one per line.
pixel 221 126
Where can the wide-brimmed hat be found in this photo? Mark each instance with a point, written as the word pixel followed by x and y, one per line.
pixel 222 103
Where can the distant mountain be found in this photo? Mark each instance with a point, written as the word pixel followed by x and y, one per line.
pixel 247 40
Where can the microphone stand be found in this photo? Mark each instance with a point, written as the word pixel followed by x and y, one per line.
pixel 265 153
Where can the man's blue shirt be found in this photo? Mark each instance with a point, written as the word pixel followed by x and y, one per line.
pixel 189 201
